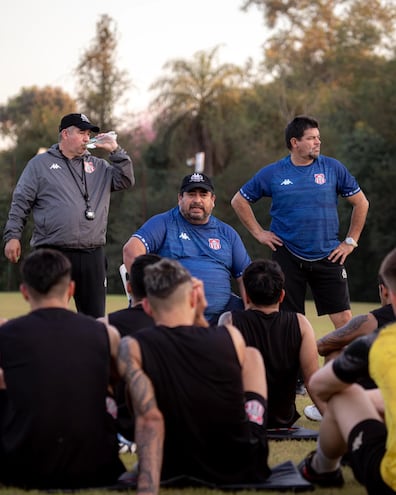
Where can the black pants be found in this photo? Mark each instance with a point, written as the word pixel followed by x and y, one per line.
pixel 89 274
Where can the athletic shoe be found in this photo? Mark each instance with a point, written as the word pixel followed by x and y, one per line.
pixel 300 388
pixel 312 412
pixel 125 446
pixel 332 478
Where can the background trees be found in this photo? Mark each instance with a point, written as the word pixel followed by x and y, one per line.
pixel 193 103
pixel 101 85
pixel 332 59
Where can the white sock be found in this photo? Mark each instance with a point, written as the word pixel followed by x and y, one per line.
pixel 322 464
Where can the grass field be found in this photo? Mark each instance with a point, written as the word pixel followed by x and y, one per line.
pixel 12 304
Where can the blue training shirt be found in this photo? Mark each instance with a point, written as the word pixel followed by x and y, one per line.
pixel 304 202
pixel 212 252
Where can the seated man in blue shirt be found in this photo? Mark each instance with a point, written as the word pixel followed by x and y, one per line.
pixel 209 248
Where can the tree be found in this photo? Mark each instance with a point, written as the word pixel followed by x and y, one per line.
pixel 30 120
pixel 315 46
pixel 101 84
pixel 192 105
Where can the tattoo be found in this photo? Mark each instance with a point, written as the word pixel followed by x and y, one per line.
pixel 139 385
pixel 149 430
pixel 149 442
pixel 339 337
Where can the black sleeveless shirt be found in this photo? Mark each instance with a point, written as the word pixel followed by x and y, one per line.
pixel 55 431
pixel 198 385
pixel 278 337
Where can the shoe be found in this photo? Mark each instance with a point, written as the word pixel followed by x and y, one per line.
pixel 312 412
pixel 332 478
pixel 125 446
pixel 300 388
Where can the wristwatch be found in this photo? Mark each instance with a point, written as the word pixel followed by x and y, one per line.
pixel 351 242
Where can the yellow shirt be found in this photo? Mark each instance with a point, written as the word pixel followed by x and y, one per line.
pixel 382 366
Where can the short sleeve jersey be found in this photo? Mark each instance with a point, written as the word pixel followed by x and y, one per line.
pixel 212 252
pixel 304 202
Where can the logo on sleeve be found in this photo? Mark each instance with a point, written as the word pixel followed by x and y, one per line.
pixel 255 411
pixel 214 244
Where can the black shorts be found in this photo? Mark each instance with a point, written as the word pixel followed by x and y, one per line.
pixel 366 448
pixel 328 283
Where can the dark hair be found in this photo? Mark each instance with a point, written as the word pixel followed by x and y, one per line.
pixel 43 269
pixel 164 277
pixel 136 275
pixel 297 127
pixel 388 270
pixel 263 280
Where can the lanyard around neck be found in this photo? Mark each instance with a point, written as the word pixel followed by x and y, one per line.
pixel 84 191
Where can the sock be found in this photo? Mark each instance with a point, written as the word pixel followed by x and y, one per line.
pixel 322 464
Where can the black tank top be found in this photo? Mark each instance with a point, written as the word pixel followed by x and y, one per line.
pixel 197 380
pixel 278 337
pixel 56 431
pixel 384 315
pixel 129 320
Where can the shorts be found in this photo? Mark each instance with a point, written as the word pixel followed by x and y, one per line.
pixel 328 283
pixel 366 448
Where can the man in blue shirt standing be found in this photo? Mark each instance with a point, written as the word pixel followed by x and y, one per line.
pixel 210 249
pixel 304 187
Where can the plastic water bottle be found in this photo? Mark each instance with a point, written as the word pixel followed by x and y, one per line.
pixel 105 137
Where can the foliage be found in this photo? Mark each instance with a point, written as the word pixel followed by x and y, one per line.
pixel 101 84
pixel 193 102
pixel 329 59
pixel 30 120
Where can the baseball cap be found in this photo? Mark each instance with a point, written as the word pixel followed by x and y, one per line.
pixel 196 181
pixel 79 120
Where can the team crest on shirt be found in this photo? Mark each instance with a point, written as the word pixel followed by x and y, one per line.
pixel 214 244
pixel 320 178
pixel 89 167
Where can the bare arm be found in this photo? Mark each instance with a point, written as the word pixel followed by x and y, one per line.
pixel 201 303
pixel 358 218
pixel 337 339
pixel 131 250
pixel 309 361
pixel 114 339
pixel 360 206
pixel 246 216
pixel 149 423
pixel 242 291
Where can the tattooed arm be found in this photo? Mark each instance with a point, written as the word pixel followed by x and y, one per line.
pixel 334 341
pixel 149 425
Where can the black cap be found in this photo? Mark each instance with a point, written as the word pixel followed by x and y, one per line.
pixel 79 120
pixel 196 181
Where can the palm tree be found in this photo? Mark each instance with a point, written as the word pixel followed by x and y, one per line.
pixel 192 104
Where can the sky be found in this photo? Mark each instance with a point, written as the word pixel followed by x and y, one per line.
pixel 42 41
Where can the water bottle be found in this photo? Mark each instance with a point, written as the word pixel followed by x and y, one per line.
pixel 105 137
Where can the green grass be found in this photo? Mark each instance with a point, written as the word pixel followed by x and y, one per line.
pixel 13 305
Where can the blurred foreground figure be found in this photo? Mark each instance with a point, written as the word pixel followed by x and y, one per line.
pixel 54 429
pixel 199 384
